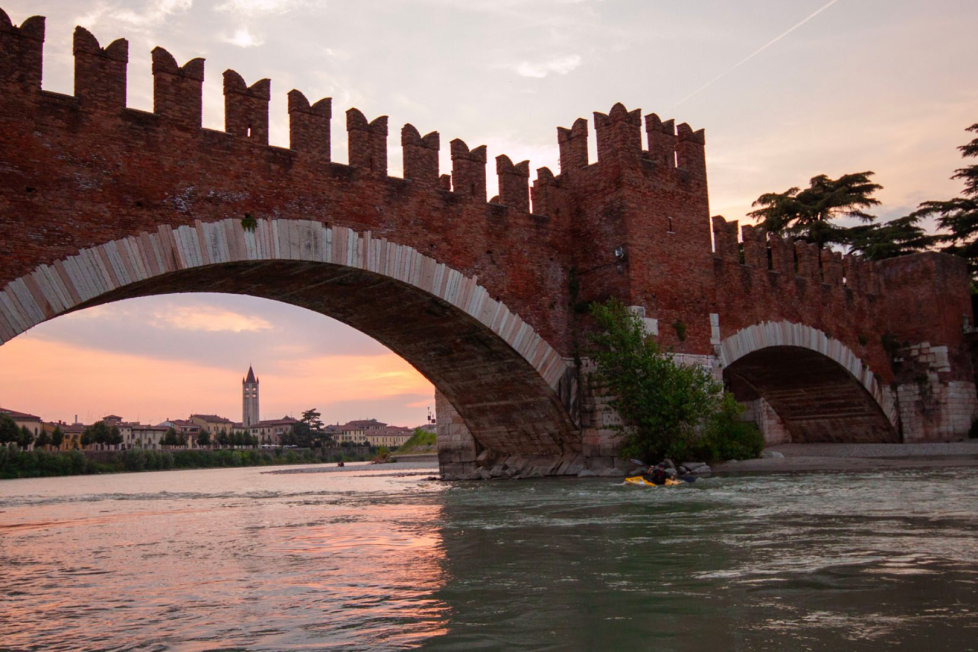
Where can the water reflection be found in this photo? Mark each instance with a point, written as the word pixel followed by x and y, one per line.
pixel 200 560
pixel 304 562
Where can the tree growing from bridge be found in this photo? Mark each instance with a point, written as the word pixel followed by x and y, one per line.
pixel 959 216
pixel 809 214
pixel 663 405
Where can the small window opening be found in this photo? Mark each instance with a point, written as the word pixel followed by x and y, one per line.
pixel 670 225
pixel 248 133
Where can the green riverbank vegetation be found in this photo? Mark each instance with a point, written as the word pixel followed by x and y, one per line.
pixel 41 464
pixel 667 409
pixel 421 442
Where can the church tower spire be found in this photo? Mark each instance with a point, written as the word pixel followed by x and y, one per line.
pixel 249 392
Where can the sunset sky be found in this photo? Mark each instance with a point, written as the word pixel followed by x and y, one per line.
pixel 785 90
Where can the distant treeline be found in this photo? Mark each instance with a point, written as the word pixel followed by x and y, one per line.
pixel 40 464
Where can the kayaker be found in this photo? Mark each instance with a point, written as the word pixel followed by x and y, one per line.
pixel 658 474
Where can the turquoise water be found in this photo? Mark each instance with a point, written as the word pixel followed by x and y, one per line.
pixel 380 558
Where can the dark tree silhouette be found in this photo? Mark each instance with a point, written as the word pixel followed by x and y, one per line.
pixel 959 216
pixel 809 214
pixel 897 237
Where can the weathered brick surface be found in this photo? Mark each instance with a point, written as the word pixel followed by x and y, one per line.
pixel 100 202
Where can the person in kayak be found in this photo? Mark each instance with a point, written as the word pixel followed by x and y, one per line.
pixel 657 474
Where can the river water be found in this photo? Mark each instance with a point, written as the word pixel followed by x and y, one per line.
pixel 381 558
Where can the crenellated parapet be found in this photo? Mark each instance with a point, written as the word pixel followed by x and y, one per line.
pixel 754 249
pixel 101 83
pixel 420 155
pixel 619 134
pixel 178 90
pixel 21 54
pixel 673 154
pixel 309 125
pixel 367 143
pixel 468 170
pixel 246 107
pixel 100 73
pixel 514 183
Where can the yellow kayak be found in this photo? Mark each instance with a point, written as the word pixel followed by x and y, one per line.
pixel 642 482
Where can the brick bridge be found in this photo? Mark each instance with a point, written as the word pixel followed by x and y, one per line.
pixel 100 202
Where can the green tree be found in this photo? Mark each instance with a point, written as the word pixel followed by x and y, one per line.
pixel 9 432
pixel 312 419
pixel 43 439
pixel 86 438
pixel 662 404
pixel 204 438
pixel 223 439
pixel 897 237
pixel 98 433
pixel 26 438
pixel 959 216
pixel 309 431
pixel 57 437
pixel 809 214
pixel 115 436
pixel 170 438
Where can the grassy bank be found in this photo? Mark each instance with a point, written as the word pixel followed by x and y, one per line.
pixel 42 464
pixel 420 442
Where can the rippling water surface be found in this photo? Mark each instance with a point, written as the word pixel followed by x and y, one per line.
pixel 380 558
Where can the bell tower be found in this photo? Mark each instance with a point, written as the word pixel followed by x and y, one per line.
pixel 249 393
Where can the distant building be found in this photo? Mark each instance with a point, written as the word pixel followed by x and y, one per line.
pixel 24 420
pixel 72 434
pixel 352 432
pixel 270 432
pixel 147 437
pixel 389 436
pixel 371 432
pixel 249 392
pixel 212 423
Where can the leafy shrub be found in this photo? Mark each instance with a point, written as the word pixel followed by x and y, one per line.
pixel 134 460
pixel 726 437
pixel 662 404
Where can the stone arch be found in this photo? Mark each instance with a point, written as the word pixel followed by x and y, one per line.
pixel 496 370
pixel 815 383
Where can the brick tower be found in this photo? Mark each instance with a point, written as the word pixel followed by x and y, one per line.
pixel 249 393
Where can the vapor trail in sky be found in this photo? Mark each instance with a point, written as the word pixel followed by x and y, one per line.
pixel 756 52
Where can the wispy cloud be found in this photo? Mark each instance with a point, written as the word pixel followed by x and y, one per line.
pixel 202 318
pixel 150 14
pixel 258 7
pixel 243 38
pixel 540 69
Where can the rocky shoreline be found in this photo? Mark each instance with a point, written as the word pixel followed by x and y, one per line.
pixel 814 458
